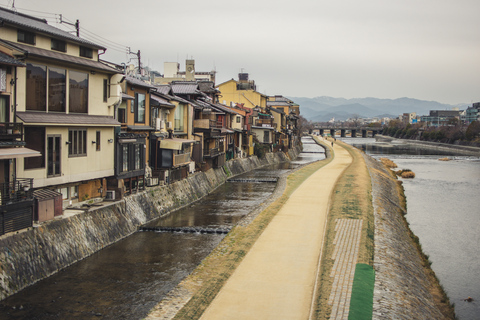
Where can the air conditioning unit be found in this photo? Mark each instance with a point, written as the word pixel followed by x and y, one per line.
pixel 159 124
pixel 110 195
pixel 169 125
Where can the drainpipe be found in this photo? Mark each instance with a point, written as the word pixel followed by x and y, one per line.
pixel 15 95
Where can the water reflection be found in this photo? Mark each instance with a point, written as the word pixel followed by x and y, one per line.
pixel 128 278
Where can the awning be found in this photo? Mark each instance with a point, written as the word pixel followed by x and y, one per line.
pixel 10 153
pixel 174 143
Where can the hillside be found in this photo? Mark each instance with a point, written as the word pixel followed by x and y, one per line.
pixel 321 109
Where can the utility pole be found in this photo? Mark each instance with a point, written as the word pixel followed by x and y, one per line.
pixel 76 25
pixel 138 57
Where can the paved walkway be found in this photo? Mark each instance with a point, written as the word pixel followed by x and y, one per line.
pixel 276 279
pixel 347 244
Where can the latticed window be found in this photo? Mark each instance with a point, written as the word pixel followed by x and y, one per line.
pixel 77 146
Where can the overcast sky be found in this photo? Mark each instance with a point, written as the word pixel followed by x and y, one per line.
pixel 423 49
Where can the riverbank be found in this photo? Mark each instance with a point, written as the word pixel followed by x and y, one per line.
pixel 36 253
pixel 403 287
pixel 464 150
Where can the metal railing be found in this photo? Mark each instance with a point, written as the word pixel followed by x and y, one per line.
pixel 16 191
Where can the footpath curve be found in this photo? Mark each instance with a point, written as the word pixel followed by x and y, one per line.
pixel 276 279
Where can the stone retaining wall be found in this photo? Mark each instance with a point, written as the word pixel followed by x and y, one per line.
pixel 35 253
pixel 401 285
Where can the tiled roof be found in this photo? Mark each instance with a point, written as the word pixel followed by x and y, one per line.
pixel 163 89
pixel 223 108
pixel 66 119
pixel 185 87
pixel 6 59
pixel 39 25
pixel 163 102
pixel 38 52
pixel 207 86
pixel 279 103
pixel 138 82
pixel 140 128
pixel 276 110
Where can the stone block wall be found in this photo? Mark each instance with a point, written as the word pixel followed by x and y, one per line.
pixel 35 253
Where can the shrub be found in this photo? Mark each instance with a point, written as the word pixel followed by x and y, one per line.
pixel 406 174
pixel 388 163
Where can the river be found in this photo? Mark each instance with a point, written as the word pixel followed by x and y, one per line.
pixel 443 211
pixel 127 279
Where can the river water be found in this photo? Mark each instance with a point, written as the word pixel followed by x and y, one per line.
pixel 443 211
pixel 127 279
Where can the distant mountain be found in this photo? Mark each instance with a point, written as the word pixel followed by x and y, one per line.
pixel 324 108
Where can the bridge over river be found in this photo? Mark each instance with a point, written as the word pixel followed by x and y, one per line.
pixel 352 131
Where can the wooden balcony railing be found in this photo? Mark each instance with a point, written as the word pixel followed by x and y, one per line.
pixel 179 159
pixel 206 124
pixel 264 123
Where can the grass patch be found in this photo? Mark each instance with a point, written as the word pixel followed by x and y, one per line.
pixel 361 303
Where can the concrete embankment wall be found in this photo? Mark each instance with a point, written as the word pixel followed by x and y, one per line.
pixel 464 150
pixel 401 284
pixel 33 254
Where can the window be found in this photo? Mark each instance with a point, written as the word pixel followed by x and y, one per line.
pixel 78 97
pixel 77 146
pixel 106 90
pixel 125 158
pixel 25 37
pixel 59 45
pixel 86 52
pixel 53 156
pixel 137 156
pixel 132 157
pixel 154 114
pixel 35 139
pixel 139 108
pixel 97 141
pixel 178 126
pixel 57 89
pixel 36 98
pixel 238 119
pixel 121 115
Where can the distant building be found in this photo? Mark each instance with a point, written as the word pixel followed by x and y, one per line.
pixel 438 118
pixel 171 72
pixel 473 113
pixel 409 118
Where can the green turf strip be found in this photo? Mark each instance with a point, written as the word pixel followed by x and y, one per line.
pixel 361 303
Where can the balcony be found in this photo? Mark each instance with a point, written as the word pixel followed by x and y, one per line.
pixel 16 191
pixel 268 123
pixel 180 159
pixel 210 153
pixel 11 134
pixel 206 124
